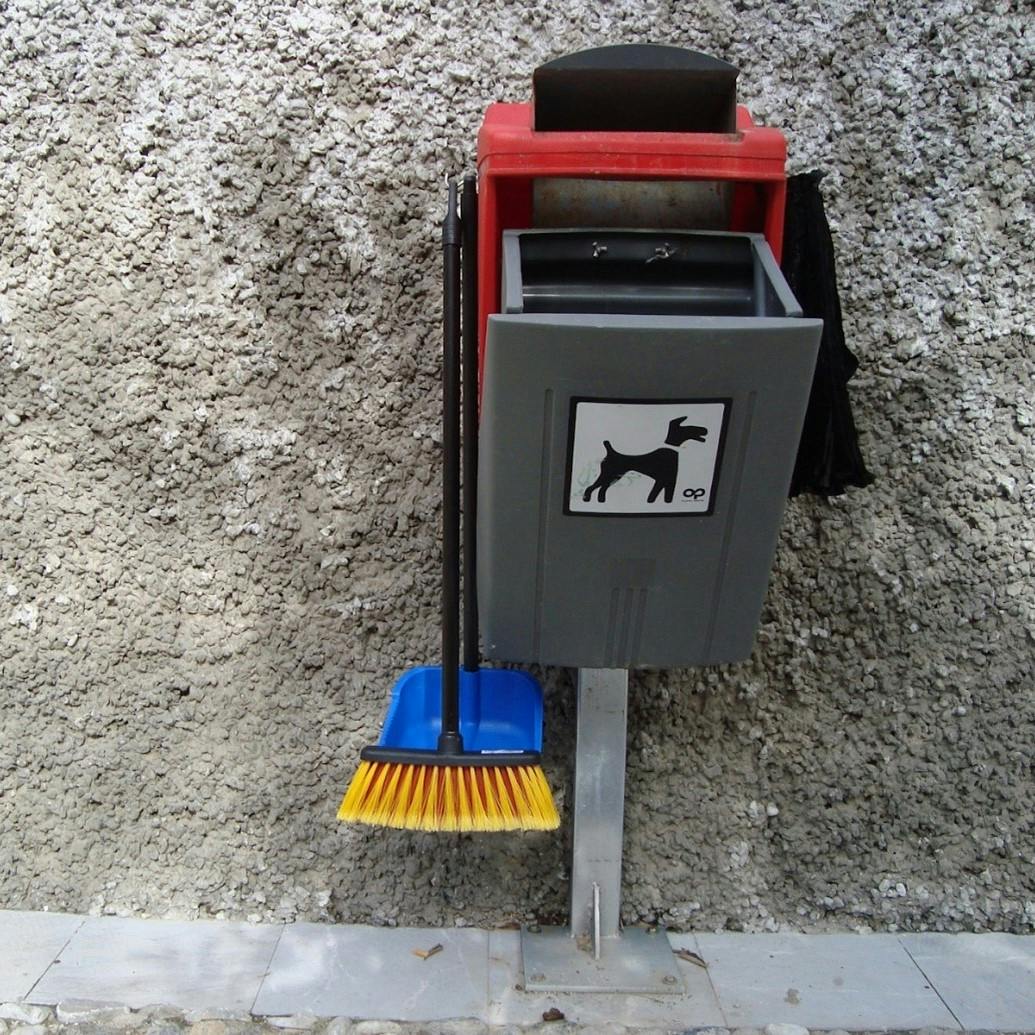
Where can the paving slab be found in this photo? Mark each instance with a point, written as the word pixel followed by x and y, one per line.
pixel 987 980
pixel 826 981
pixel 30 943
pixel 350 970
pixel 982 982
pixel 188 964
pixel 508 1004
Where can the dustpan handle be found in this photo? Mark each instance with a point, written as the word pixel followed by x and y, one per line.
pixel 449 739
pixel 469 334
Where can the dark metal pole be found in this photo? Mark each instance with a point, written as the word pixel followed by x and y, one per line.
pixel 449 739
pixel 469 324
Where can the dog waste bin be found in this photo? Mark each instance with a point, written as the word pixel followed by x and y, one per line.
pixel 643 394
pixel 645 372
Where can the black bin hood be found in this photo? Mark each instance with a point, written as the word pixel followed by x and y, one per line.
pixel 636 88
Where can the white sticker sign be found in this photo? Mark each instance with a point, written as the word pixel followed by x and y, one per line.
pixel 644 457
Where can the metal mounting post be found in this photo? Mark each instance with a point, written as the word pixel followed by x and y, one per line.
pixel 594 954
pixel 599 803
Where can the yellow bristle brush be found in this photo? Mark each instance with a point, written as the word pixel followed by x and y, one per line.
pixel 406 781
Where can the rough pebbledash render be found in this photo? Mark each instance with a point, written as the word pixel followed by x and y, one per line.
pixel 219 318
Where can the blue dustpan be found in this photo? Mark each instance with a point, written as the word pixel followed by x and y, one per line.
pixel 500 711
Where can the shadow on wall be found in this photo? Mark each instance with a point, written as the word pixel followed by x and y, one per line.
pixel 329 492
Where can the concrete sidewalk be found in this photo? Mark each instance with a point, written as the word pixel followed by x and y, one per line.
pixel 306 971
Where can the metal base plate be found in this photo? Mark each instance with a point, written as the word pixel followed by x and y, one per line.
pixel 635 962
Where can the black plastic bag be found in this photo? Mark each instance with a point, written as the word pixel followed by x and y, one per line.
pixel 829 459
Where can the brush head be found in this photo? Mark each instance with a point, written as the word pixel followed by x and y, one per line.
pixel 450 794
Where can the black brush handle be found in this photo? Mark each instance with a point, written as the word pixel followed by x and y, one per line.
pixel 469 324
pixel 449 739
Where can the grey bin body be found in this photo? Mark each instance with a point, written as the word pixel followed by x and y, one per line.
pixel 686 354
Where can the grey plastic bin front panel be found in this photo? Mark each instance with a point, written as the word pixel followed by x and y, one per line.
pixel 626 591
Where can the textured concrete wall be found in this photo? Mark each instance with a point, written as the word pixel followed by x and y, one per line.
pixel 219 462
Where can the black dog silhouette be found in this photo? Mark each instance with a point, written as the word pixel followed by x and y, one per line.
pixel 660 464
